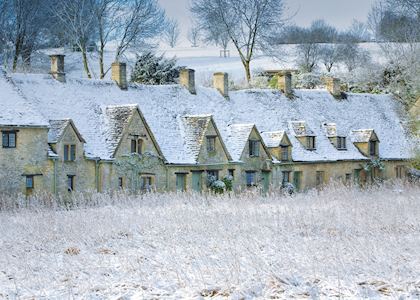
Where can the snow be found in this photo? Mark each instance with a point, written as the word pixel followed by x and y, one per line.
pixel 14 109
pixel 193 129
pixel 183 246
pixel 272 139
pixel 56 130
pixel 237 137
pixel 85 102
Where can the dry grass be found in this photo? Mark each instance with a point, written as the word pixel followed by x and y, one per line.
pixel 341 242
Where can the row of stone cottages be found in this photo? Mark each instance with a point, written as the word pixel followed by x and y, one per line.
pixel 61 135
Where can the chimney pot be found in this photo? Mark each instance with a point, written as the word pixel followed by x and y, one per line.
pixel 57 67
pixel 333 86
pixel 221 83
pixel 285 83
pixel 119 74
pixel 187 79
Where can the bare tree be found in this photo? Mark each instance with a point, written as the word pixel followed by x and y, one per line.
pixel 140 21
pixel 309 48
pixel 246 22
pixel 77 17
pixel 194 35
pixel 21 23
pixel 329 55
pixel 106 14
pixel 172 33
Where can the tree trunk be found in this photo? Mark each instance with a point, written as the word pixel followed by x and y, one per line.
pixel 85 63
pixel 26 57
pixel 16 54
pixel 101 62
pixel 247 66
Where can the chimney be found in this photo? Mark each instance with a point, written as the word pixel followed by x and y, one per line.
pixel 57 67
pixel 333 86
pixel 221 83
pixel 187 79
pixel 119 74
pixel 285 83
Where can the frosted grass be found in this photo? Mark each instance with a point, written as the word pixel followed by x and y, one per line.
pixel 340 242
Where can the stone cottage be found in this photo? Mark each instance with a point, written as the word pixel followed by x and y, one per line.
pixel 61 135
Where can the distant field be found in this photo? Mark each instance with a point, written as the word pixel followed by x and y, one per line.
pixel 205 60
pixel 338 243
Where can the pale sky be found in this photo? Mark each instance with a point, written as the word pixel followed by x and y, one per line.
pixel 339 13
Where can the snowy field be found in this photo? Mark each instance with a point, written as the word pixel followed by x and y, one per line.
pixel 338 243
pixel 205 60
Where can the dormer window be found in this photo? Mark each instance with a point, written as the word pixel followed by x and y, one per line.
pixel 341 143
pixel 69 152
pixel 310 143
pixel 373 145
pixel 9 139
pixel 211 144
pixel 254 148
pixel 137 146
pixel 284 153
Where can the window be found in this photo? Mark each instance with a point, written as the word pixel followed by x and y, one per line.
pixel 254 148
pixel 137 146
pixel 372 148
pixel 29 182
pixel 231 173
pixel 399 172
pixel 69 152
pixel 211 143
pixel 284 153
pixel 146 183
pixel 133 146
pixel 320 177
pixel 310 143
pixel 120 182
pixel 251 178
pixel 181 182
pixel 285 178
pixel 9 139
pixel 341 143
pixel 70 183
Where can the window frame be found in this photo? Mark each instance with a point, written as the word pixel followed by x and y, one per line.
pixel 373 148
pixel 254 146
pixel 149 186
pixel 310 143
pixel 120 182
pixel 69 152
pixel 231 172
pixel 5 136
pixel 253 175
pixel 32 180
pixel 284 153
pixel 285 175
pixel 211 143
pixel 70 183
pixel 341 143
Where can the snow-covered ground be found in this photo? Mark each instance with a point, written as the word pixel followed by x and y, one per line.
pixel 205 60
pixel 338 243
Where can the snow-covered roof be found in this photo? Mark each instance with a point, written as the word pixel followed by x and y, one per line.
pixel 272 139
pixel 194 129
pixel 57 128
pixel 163 107
pixel 15 110
pixel 300 129
pixel 361 135
pixel 238 135
pixel 116 120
